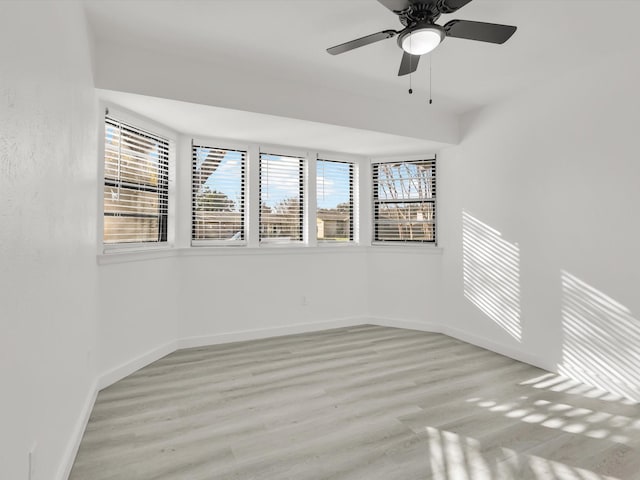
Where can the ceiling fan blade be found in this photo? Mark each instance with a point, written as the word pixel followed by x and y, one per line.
pixel 361 42
pixel 480 31
pixel 396 6
pixel 450 6
pixel 409 64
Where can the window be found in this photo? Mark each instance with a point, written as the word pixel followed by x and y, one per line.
pixel 136 184
pixel 218 193
pixel 281 198
pixel 404 201
pixel 334 217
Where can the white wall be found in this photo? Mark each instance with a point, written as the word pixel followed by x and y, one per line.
pixel 404 287
pixel 317 288
pixel 139 308
pixel 237 293
pixel 47 233
pixel 539 221
pixel 200 297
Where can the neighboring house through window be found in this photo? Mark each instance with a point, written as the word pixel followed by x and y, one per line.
pixel 335 201
pixel 281 198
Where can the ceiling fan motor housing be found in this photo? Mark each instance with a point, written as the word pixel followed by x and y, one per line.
pixel 420 12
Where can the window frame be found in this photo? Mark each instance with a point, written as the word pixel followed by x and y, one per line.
pixel 353 200
pixel 245 213
pixel 180 215
pixel 374 202
pixel 145 124
pixel 283 151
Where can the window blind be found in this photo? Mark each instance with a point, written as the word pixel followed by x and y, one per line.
pixel 334 216
pixel 404 201
pixel 136 184
pixel 281 198
pixel 218 194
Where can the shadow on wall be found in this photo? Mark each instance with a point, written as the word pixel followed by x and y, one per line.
pixel 491 274
pixel 601 344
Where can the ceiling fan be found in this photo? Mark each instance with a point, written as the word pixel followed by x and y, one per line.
pixel 421 34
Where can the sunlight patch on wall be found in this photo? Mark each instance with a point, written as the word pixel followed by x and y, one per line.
pixel 601 344
pixel 491 273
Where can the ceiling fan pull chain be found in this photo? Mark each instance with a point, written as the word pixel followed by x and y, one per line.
pixel 410 70
pixel 430 82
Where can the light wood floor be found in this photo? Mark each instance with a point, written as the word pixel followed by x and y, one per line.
pixel 362 403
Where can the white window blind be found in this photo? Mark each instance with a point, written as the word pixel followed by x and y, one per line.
pixel 218 195
pixel 404 201
pixel 281 198
pixel 334 217
pixel 136 184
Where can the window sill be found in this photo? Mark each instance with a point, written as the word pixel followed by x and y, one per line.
pixel 124 256
pixel 268 250
pixel 426 249
pixel 135 255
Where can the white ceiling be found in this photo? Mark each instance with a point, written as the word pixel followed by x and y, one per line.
pixel 288 39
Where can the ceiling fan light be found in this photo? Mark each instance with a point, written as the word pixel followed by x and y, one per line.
pixel 422 40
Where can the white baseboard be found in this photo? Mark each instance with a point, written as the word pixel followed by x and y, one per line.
pixel 76 437
pixel 258 333
pixel 492 345
pixel 127 368
pixel 467 337
pixel 422 326
pixel 118 373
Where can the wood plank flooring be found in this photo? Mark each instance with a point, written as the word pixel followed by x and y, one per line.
pixel 366 402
